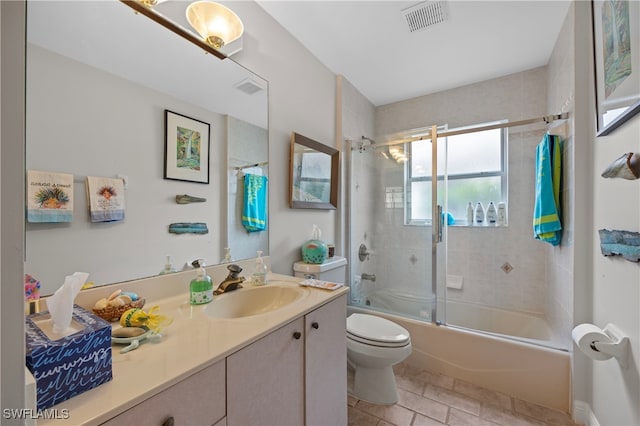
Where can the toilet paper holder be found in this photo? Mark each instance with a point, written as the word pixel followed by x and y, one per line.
pixel 617 348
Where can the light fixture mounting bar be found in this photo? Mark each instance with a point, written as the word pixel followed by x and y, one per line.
pixel 153 15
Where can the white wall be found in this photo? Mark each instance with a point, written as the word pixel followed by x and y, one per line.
pixel 12 37
pixel 302 99
pixel 357 115
pixel 559 274
pixel 606 290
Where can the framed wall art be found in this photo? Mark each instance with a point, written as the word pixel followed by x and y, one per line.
pixel 616 50
pixel 186 154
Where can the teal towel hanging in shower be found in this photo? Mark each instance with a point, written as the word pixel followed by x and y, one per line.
pixel 254 213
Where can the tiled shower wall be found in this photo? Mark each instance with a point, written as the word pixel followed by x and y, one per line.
pixel 476 253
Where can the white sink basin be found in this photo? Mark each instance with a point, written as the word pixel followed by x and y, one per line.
pixel 253 301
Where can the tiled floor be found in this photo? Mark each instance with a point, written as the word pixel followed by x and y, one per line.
pixel 428 399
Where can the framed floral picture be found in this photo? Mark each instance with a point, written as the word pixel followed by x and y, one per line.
pixel 616 49
pixel 186 154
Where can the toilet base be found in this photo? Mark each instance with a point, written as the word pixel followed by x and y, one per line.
pixel 375 385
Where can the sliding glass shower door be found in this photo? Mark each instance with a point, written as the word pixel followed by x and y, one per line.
pixel 397 250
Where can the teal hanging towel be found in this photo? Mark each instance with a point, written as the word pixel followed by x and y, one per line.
pixel 254 212
pixel 547 224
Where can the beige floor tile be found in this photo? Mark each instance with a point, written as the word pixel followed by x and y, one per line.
pixel 484 395
pixel 424 406
pixel 461 418
pixel 548 415
pixel 360 418
pixel 394 414
pixel 436 379
pixel 421 420
pixel 506 417
pixel 410 382
pixel 453 399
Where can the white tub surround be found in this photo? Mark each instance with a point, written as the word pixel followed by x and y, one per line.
pixel 522 370
pixel 193 343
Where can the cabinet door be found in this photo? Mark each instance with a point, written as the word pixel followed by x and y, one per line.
pixel 265 380
pixel 197 400
pixel 326 364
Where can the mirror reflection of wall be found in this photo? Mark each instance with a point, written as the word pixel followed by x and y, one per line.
pixel 86 120
pixel 247 155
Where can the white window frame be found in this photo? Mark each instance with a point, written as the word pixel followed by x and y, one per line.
pixel 503 174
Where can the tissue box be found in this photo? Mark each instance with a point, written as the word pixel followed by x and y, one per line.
pixel 71 365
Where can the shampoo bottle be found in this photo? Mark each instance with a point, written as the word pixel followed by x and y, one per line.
pixel 201 287
pixel 491 214
pixel 479 214
pixel 469 214
pixel 260 273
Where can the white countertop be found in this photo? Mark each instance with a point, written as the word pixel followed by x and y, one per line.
pixel 192 342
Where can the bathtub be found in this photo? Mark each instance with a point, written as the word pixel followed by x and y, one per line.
pixel 526 327
pixel 516 367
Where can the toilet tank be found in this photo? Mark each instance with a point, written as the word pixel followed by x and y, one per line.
pixel 333 269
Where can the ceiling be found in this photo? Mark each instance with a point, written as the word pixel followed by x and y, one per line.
pixel 369 42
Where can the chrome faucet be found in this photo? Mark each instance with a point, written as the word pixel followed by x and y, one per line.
pixel 370 277
pixel 232 282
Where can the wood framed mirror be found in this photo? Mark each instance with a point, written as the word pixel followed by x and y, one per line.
pixel 313 174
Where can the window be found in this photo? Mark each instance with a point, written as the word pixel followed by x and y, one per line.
pixel 475 165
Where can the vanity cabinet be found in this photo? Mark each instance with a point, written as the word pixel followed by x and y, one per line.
pixel 326 364
pixel 197 400
pixel 296 375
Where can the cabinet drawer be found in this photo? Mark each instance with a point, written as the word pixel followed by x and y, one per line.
pixel 197 400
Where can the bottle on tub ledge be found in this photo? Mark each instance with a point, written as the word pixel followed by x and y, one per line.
pixel 469 214
pixel 479 214
pixel 501 215
pixel 491 214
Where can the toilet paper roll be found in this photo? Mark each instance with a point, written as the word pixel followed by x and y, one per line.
pixel 585 335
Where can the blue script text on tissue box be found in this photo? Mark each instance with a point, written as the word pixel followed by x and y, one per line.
pixel 71 365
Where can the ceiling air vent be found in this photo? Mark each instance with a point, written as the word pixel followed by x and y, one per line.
pixel 248 86
pixel 425 14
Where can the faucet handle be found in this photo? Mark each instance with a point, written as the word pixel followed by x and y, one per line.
pixel 234 268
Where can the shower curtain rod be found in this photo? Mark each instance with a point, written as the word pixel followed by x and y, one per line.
pixel 547 119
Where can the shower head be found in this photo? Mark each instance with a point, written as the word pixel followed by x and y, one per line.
pixel 371 141
pixel 364 139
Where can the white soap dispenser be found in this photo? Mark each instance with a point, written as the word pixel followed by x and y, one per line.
pixel 260 272
pixel 227 255
pixel 168 267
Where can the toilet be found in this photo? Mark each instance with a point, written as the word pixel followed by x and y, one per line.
pixel 374 344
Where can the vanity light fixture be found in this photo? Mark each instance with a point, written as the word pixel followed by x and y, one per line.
pixel 151 3
pixel 217 24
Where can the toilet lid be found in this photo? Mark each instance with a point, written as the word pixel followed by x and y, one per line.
pixel 375 330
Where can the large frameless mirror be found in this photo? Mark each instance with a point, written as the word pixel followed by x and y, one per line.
pixel 99 79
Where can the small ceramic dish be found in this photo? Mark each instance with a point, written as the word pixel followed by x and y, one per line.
pixel 134 341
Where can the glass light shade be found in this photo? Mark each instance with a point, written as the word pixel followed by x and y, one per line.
pixel 217 24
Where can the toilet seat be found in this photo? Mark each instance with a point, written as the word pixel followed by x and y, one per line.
pixel 376 331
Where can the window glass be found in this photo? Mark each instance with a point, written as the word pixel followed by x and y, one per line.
pixel 475 168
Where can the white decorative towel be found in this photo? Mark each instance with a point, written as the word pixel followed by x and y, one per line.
pixel 106 199
pixel 49 196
